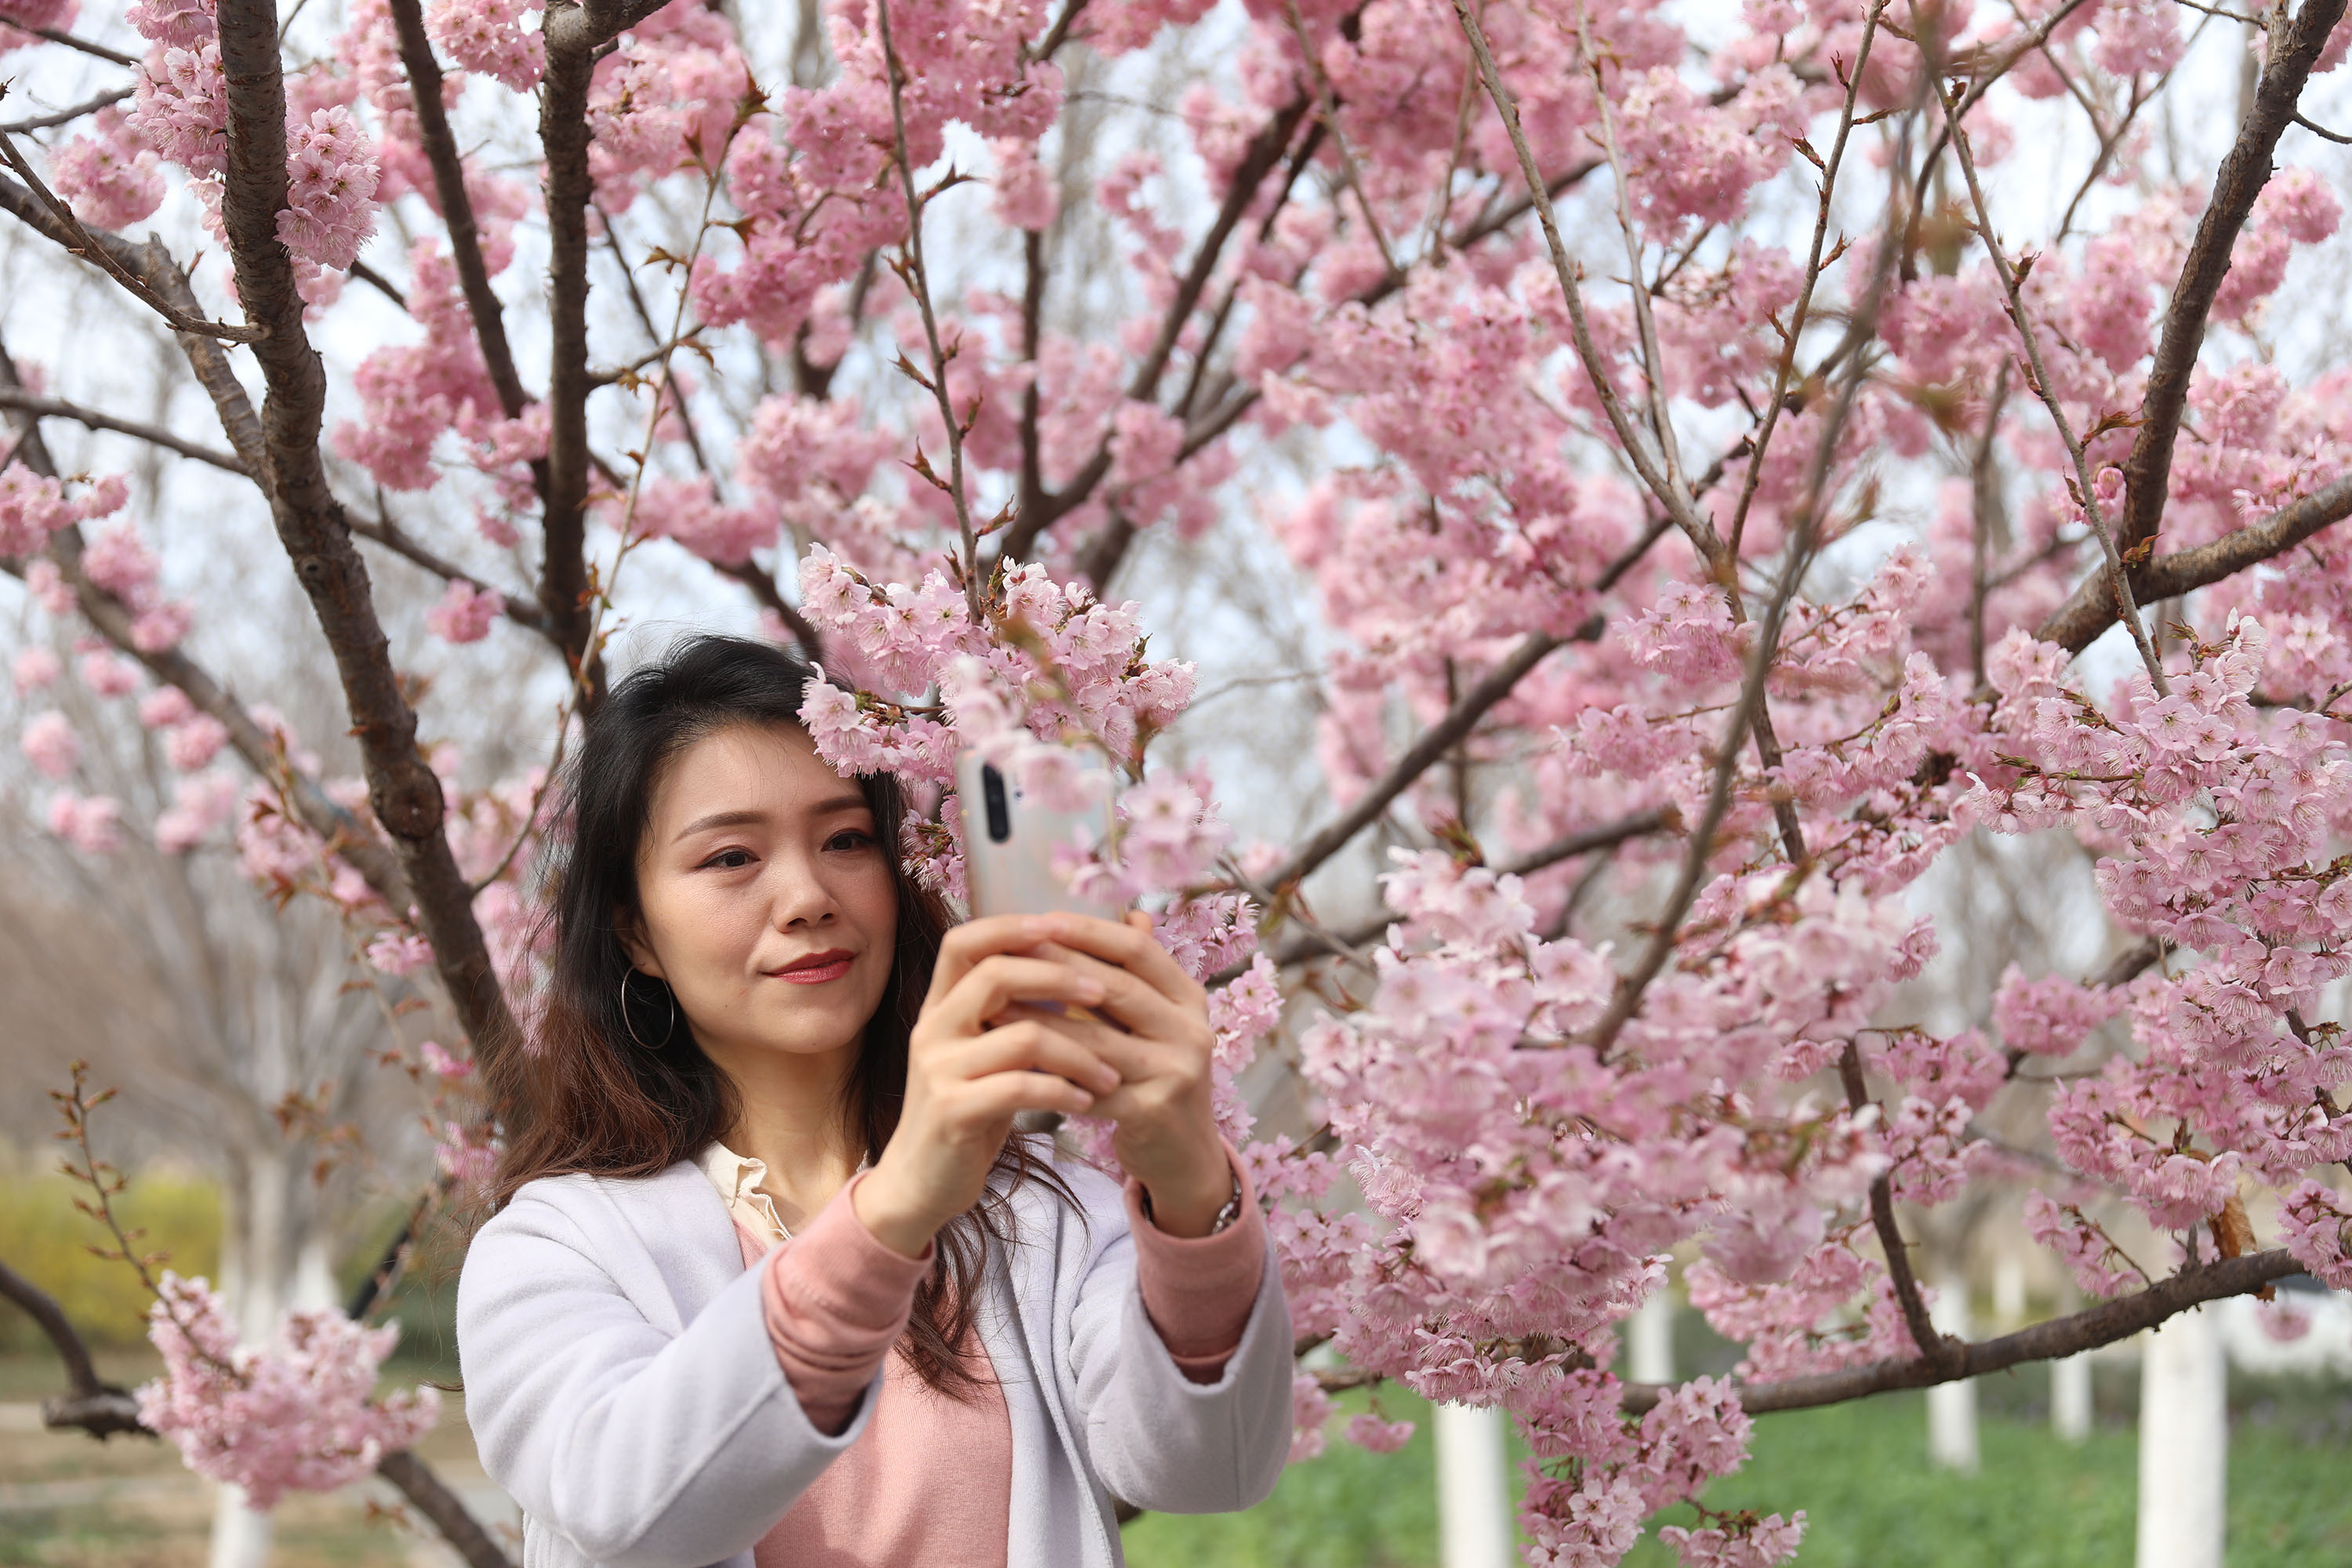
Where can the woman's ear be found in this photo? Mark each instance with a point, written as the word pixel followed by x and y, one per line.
pixel 625 926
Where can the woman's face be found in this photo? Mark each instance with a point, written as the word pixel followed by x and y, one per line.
pixel 765 897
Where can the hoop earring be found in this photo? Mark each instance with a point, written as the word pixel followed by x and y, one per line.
pixel 627 1023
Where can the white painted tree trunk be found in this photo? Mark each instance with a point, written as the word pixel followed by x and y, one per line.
pixel 1952 1406
pixel 1650 1340
pixel 2184 1444
pixel 1474 1493
pixel 272 1259
pixel 2070 1397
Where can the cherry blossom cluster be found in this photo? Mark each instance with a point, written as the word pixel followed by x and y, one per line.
pixel 297 1413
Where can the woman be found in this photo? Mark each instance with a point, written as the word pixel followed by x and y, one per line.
pixel 771 1280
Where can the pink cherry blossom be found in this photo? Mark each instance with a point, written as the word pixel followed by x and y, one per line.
pixel 48 738
pixel 297 1414
pixel 465 613
pixel 36 668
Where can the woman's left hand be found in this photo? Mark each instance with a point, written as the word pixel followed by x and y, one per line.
pixel 1165 1131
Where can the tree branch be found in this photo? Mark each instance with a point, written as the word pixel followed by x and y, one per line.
pixel 458 210
pixel 57 221
pixel 573 36
pixel 1607 836
pixel 393 537
pixel 1257 160
pixel 23 402
pixel 401 787
pixel 319 812
pixel 2148 471
pixel 96 1406
pixel 431 1497
pixel 2100 1325
pixel 1932 1344
pixel 65 116
pixel 2012 284
pixel 2091 611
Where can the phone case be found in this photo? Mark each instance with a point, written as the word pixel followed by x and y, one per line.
pixel 1009 843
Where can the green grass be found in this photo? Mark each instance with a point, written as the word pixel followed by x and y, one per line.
pixel 1860 1473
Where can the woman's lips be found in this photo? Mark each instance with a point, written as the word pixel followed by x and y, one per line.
pixel 817 968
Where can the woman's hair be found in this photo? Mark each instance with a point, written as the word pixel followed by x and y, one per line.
pixel 589 1098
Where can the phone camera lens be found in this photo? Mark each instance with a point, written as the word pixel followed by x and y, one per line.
pixel 1000 812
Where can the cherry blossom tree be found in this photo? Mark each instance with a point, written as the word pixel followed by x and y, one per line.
pixel 1732 459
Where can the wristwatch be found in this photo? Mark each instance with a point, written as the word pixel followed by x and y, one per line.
pixel 1226 1215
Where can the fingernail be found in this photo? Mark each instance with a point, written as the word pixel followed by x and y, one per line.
pixel 1108 1077
pixel 1036 926
pixel 1090 989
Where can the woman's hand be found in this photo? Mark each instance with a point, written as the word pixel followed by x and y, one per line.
pixel 967 1074
pixel 1165 1130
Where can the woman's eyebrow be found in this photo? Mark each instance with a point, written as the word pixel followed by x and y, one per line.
pixel 721 819
pixel 826 807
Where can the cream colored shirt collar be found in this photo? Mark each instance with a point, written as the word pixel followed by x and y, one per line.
pixel 738 1178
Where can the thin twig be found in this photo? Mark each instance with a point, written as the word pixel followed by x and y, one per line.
pixel 65 116
pixel 80 242
pixel 154 435
pixel 1786 368
pixel 918 283
pixel 2010 283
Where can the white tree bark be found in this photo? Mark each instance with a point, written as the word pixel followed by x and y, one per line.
pixel 1474 1494
pixel 2070 1397
pixel 2184 1445
pixel 1952 1406
pixel 1650 1340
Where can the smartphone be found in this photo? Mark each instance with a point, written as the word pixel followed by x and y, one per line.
pixel 1009 842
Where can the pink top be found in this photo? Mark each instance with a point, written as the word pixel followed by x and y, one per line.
pixel 930 1481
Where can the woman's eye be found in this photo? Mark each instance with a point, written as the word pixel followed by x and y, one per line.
pixel 729 860
pixel 850 839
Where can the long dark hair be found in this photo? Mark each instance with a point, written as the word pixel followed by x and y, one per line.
pixel 585 1098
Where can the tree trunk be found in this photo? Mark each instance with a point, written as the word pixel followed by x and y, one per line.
pixel 273 1257
pixel 2070 1397
pixel 1650 1340
pixel 1474 1493
pixel 1952 1406
pixel 2184 1445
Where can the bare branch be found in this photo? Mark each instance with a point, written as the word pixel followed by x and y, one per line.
pixel 2012 283
pixel 1932 1344
pixel 1442 736
pixel 1785 369
pixel 1258 159
pixel 64 116
pixel 401 787
pixel 57 222
pixel 2295 43
pixel 573 36
pixel 457 209
pixel 431 1497
pixel 96 1406
pixel 2100 1325
pixel 1608 836
pixel 770 598
pixel 1647 464
pixel 325 817
pixel 2091 610
pixel 81 45
pixel 918 283
pixel 155 435
pixel 382 531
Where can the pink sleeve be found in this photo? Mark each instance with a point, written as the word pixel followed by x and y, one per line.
pixel 837 1299
pixel 1197 1291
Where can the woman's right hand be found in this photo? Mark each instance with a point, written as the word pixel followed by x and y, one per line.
pixel 967 1077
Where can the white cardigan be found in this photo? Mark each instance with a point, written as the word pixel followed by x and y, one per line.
pixel 620 1382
